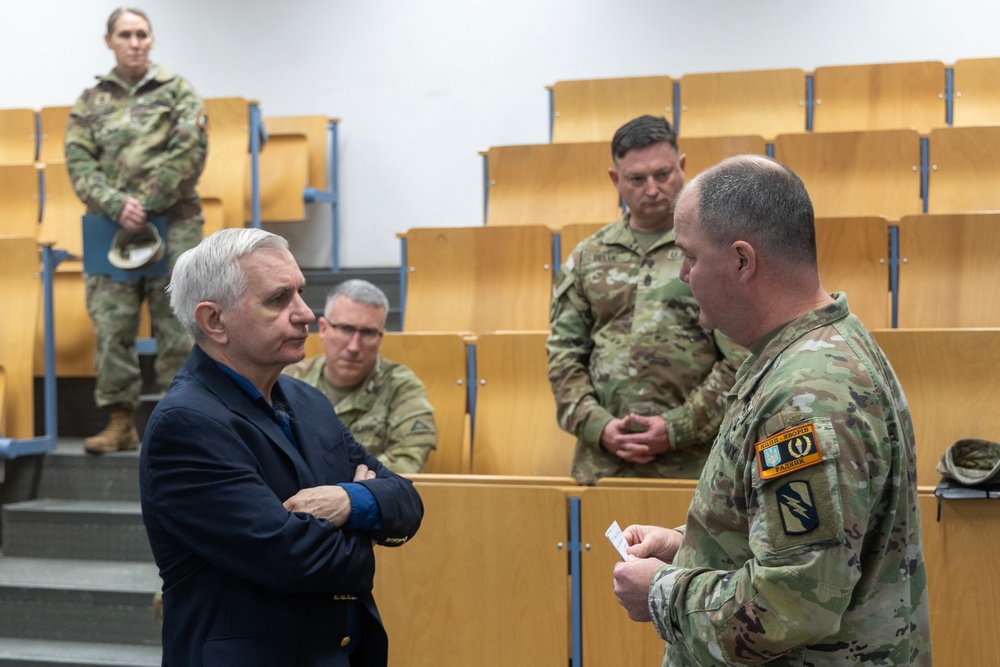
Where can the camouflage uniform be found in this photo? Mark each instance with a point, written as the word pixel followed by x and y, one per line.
pixel 802 544
pixel 388 413
pixel 147 141
pixel 625 333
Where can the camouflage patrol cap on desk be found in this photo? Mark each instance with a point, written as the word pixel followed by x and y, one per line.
pixel 971 461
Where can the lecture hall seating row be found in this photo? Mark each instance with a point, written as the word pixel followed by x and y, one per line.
pixel 910 95
pixel 932 270
pixel 484 582
pixel 37 198
pixel 297 157
pixel 492 403
pixel 888 173
pixel 497 385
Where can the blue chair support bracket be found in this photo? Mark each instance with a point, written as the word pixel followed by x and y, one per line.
pixel 258 137
pixel 330 196
pixel 576 586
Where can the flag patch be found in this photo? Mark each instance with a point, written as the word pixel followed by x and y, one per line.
pixel 787 451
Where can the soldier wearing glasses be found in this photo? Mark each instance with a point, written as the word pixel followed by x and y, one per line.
pixel 383 403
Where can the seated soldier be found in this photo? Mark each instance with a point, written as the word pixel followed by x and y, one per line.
pixel 383 403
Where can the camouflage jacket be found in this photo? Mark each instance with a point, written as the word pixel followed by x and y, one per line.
pixel 388 413
pixel 146 141
pixel 802 545
pixel 624 333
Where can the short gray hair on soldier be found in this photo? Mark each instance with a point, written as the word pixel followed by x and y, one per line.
pixel 759 200
pixel 358 291
pixel 211 271
pixel 117 14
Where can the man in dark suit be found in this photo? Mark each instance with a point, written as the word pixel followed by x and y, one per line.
pixel 261 510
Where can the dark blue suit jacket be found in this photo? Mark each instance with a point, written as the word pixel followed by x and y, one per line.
pixel 245 582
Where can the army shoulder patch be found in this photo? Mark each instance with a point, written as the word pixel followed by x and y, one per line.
pixel 787 451
pixel 797 508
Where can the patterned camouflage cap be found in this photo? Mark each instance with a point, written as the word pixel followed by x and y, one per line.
pixel 971 461
pixel 135 250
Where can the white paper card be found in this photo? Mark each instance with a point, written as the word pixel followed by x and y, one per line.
pixel 614 534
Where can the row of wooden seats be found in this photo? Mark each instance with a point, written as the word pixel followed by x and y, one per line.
pixel 507 425
pixel 944 372
pixel 517 558
pixel 847 173
pixel 295 158
pixel 481 279
pixel 37 198
pixel 912 95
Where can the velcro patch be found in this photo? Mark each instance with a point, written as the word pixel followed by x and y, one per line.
pixel 798 509
pixel 419 426
pixel 787 451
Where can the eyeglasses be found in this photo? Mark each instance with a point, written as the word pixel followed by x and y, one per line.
pixel 346 332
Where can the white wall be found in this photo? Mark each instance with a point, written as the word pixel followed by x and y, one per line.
pixel 421 86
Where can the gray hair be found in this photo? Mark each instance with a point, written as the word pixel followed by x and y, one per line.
pixel 760 200
pixel 117 14
pixel 358 291
pixel 211 271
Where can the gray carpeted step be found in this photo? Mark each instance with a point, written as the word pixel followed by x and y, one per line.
pixel 72 474
pixel 35 653
pixel 86 529
pixel 78 601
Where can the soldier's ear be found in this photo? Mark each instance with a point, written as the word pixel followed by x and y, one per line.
pixel 745 260
pixel 208 316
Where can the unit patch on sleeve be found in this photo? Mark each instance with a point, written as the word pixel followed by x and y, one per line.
pixel 787 451
pixel 798 509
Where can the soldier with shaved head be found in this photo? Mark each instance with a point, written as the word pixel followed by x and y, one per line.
pixel 802 545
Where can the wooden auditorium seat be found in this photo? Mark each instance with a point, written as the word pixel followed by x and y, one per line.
pixel 477 279
pixel 947 375
pixel 62 214
pixel 17 136
pixel 514 426
pixel 550 184
pixel 594 109
pixel 856 173
pixel 964 169
pixel 284 174
pixel 948 271
pixel 704 152
pixel 62 226
pixel 483 583
pixel 892 96
pixel 224 177
pixel 440 361
pixel 316 130
pixel 19 200
pixel 75 341
pixel 53 121
pixel 764 102
pixel 977 92
pixel 20 301
pixel 609 637
pixel 214 213
pixel 572 234
pixel 3 403
pixel 853 256
pixel 963 579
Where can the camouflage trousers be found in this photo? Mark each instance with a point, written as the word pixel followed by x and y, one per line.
pixel 115 308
